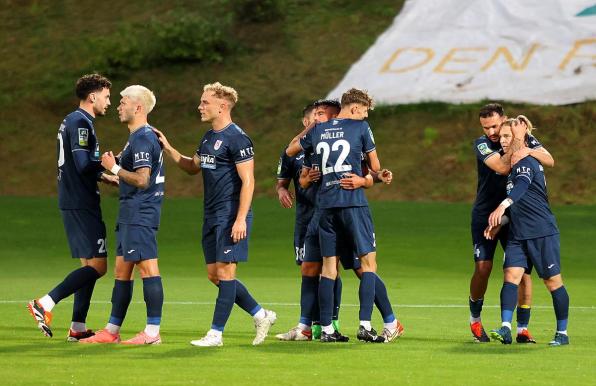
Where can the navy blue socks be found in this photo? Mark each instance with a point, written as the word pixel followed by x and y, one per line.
pixel 224 304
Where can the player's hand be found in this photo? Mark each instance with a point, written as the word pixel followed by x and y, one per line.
pixel 520 154
pixel 495 217
pixel 386 176
pixel 491 232
pixel 286 199
pixel 162 139
pixel 351 181
pixel 108 160
pixel 238 230
pixel 519 129
pixel 110 179
pixel 314 175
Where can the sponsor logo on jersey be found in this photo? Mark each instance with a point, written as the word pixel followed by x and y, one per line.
pixel 208 161
pixel 217 144
pixel 484 149
pixel 142 156
pixel 279 166
pixel 83 136
pixel 247 152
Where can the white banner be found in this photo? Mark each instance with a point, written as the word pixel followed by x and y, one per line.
pixel 536 51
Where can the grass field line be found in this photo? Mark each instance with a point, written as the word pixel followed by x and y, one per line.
pixel 277 304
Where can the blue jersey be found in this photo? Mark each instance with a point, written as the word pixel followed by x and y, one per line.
pixel 491 185
pixel 531 216
pixel 142 206
pixel 219 152
pixel 290 168
pixel 77 186
pixel 338 145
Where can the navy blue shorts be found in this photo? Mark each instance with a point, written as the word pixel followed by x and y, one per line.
pixel 312 249
pixel 542 253
pixel 485 249
pixel 304 214
pixel 136 242
pixel 339 224
pixel 217 240
pixel 86 233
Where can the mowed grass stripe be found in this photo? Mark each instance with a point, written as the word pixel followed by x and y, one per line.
pixel 425 259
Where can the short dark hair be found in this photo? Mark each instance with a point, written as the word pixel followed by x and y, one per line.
pixel 308 109
pixel 490 109
pixel 90 83
pixel 328 102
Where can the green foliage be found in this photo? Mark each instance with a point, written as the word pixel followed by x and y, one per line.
pixel 258 11
pixel 177 36
pixel 430 135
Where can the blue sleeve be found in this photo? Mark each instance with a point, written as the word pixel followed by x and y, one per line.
pixel 79 136
pixel 368 140
pixel 483 150
pixel 284 168
pixel 241 149
pixel 307 163
pixel 523 174
pixel 84 164
pixel 306 141
pixel 533 142
pixel 142 153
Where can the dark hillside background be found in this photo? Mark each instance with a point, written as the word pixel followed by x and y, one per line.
pixel 279 55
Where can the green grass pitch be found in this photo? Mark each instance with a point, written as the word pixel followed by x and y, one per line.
pixel 425 258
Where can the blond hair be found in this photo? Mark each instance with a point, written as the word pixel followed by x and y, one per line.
pixel 357 96
pixel 520 118
pixel 222 92
pixel 524 119
pixel 142 95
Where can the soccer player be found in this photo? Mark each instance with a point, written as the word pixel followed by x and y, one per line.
pixel 79 169
pixel 308 179
pixel 493 165
pixel 339 145
pixel 290 168
pixel 225 156
pixel 142 178
pixel 534 238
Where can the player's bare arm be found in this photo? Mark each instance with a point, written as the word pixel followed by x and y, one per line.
pixel 352 181
pixel 294 147
pixel 285 197
pixel 109 179
pixel 373 161
pixel 139 178
pixel 246 173
pixel 188 164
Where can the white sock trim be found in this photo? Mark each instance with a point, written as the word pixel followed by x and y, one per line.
pixel 47 303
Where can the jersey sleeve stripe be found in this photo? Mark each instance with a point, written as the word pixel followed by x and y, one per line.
pixel 244 160
pixel 80 150
pixel 488 156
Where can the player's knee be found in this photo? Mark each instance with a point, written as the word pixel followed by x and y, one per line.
pixel 513 275
pixel 483 269
pixel 213 278
pixel 101 270
pixel 310 269
pixel 553 283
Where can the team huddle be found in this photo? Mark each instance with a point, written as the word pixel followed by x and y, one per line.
pixel 331 161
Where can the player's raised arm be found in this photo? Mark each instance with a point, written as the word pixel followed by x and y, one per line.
pixel 188 164
pixel 296 146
